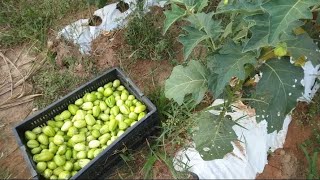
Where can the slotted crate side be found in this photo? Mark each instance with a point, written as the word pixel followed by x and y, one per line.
pixel 40 118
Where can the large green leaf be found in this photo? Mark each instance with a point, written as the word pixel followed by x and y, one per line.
pixel 197 5
pixel 191 79
pixel 203 21
pixel 202 27
pixel 240 6
pixel 277 23
pixel 228 30
pixel 260 32
pixel 214 135
pixel 284 12
pixel 241 28
pixel 229 63
pixel 289 33
pixel 277 92
pixel 303 46
pixel 172 16
pixel 212 81
pixel 201 5
pixel 192 38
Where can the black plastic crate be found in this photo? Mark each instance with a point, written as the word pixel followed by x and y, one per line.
pixel 109 157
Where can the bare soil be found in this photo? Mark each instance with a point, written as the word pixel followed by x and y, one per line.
pixel 289 162
pixel 12 163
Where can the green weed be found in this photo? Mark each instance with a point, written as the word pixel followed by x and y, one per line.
pixel 29 21
pixel 54 82
pixel 176 126
pixel 312 159
pixel 144 37
pixel 4 172
pixel 314 107
pixel 311 147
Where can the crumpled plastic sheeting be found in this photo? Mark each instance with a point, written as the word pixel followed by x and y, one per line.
pixel 311 73
pixel 248 158
pixel 82 34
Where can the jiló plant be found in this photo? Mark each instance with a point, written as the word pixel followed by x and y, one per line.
pixel 254 54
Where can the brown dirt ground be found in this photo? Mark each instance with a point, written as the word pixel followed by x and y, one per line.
pixel 12 163
pixel 289 162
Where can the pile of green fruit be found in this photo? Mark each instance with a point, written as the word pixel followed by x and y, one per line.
pixel 66 144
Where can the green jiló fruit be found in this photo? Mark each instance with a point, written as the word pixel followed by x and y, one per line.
pixel 80 133
pixel 281 49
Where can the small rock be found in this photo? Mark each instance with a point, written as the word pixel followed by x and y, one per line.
pixel 79 68
pixel 49 44
pixel 282 152
pixel 286 158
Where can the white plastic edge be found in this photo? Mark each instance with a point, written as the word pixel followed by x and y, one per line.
pixel 81 34
pixel 251 160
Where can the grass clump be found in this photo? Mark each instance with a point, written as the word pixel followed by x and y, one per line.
pixel 54 81
pixel 53 84
pixel 144 36
pixel 311 146
pixel 29 21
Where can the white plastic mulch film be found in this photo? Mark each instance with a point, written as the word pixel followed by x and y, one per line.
pixel 246 161
pixel 81 34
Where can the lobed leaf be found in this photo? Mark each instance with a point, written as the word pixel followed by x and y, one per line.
pixel 172 16
pixel 202 27
pixel 228 30
pixel 197 5
pixel 303 46
pixel 203 21
pixel 192 38
pixel 240 6
pixel 284 12
pixel 228 64
pixel 191 79
pixel 260 32
pixel 277 92
pixel 281 17
pixel 213 139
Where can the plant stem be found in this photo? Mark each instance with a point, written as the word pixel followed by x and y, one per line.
pixel 315 8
